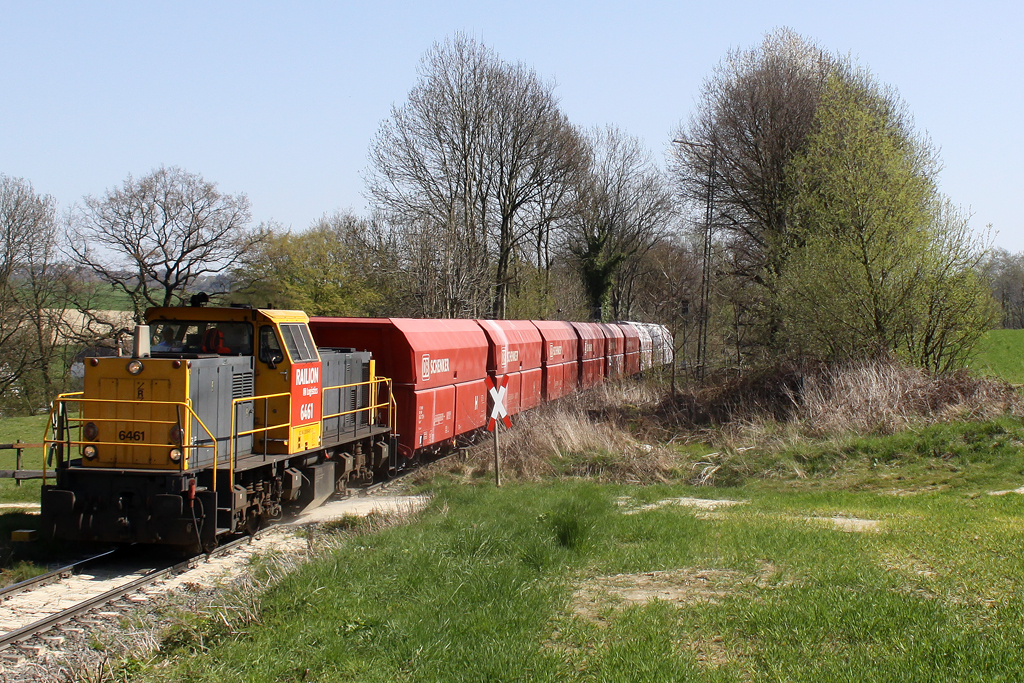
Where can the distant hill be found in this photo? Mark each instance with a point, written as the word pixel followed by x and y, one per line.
pixel 1000 353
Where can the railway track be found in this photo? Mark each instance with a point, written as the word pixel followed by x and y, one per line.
pixel 130 586
pixel 53 575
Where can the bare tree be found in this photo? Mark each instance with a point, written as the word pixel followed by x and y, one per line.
pixel 755 114
pixel 671 292
pixel 153 237
pixel 35 288
pixel 465 169
pixel 536 157
pixel 24 217
pixel 1005 274
pixel 624 207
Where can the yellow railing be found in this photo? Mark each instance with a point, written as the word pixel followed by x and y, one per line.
pixel 76 397
pixel 266 428
pixel 374 405
pixel 370 409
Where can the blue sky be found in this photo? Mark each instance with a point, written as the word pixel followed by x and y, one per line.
pixel 281 101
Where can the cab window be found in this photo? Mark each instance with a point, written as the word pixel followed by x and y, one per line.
pixel 191 337
pixel 270 347
pixel 299 343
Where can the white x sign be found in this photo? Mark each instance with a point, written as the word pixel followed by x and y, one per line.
pixel 498 409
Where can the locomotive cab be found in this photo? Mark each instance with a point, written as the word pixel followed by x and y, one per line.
pixel 214 424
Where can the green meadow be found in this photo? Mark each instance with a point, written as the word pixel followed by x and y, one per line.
pixel 29 430
pixel 1000 353
pixel 843 558
pixel 895 565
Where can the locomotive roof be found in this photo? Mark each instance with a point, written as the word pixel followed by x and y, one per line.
pixel 215 313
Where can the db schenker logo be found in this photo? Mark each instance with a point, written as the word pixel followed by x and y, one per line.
pixel 428 367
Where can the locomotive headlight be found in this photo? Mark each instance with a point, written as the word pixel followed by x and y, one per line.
pixel 90 452
pixel 175 455
pixel 134 367
pixel 176 435
pixel 90 431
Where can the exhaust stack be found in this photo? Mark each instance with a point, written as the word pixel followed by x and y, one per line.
pixel 140 342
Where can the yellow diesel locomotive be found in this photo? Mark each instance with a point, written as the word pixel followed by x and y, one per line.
pixel 221 418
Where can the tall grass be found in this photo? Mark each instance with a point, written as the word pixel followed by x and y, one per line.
pixel 588 434
pixel 885 397
pixel 782 424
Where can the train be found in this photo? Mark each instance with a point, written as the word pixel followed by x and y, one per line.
pixel 223 418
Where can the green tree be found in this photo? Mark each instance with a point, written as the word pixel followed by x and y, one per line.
pixel 323 271
pixel 954 306
pixel 756 110
pixel 882 264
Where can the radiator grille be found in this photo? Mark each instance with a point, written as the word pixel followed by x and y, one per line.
pixel 241 385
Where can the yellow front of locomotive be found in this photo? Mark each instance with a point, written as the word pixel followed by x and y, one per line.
pixel 134 413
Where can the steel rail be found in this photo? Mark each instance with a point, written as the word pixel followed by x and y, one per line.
pixel 92 603
pixel 51 576
pixel 89 604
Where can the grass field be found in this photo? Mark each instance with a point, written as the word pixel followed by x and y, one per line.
pixel 106 298
pixel 896 566
pixel 1000 353
pixel 846 558
pixel 28 430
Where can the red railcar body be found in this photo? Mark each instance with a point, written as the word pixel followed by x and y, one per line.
pixel 421 356
pixel 591 354
pixel 515 345
pixel 631 349
pixel 614 350
pixel 514 349
pixel 470 406
pixel 560 349
pixel 439 366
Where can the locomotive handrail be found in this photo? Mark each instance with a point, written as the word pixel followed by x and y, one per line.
pixel 235 402
pixel 371 383
pixel 74 397
pixel 373 405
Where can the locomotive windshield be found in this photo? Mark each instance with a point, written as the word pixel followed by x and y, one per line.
pixel 201 336
pixel 299 342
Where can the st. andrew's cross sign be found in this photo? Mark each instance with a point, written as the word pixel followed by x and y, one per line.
pixel 498 411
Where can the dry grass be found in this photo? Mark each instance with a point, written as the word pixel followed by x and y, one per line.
pixel 877 397
pixel 634 432
pixel 588 434
pixel 886 397
pixel 325 538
